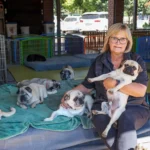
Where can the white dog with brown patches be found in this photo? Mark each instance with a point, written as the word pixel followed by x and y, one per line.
pixel 117 100
pixel 78 102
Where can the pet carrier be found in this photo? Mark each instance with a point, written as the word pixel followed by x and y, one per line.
pixel 37 45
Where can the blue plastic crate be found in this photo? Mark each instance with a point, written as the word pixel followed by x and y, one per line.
pixel 143 47
pixel 74 44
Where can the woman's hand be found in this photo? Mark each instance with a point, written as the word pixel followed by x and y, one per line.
pixel 109 83
pixel 63 104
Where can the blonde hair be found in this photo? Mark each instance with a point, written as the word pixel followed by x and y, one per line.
pixel 114 29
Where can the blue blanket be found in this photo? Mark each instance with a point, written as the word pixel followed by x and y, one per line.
pixel 22 119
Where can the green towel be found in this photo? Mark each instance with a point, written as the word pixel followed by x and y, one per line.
pixel 22 119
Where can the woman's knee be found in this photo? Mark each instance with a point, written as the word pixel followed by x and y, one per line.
pixel 100 122
pixel 126 121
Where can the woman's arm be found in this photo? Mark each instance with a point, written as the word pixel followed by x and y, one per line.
pixel 133 89
pixel 82 88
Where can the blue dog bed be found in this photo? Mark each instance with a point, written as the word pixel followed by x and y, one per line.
pixel 58 62
pixel 87 57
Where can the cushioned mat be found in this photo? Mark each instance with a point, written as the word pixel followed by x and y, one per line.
pixel 58 62
pixel 90 57
pixel 22 119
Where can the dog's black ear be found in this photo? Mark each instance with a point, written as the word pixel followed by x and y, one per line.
pixel 140 69
pixel 66 97
pixel 28 89
pixel 18 91
pixel 61 72
pixel 54 80
pixel 83 96
pixel 122 63
pixel 57 85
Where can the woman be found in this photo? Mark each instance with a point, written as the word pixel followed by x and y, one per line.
pixel 117 47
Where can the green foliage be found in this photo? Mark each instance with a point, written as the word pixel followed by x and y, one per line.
pixel 146 26
pixel 85 5
pixel 75 6
pixel 128 7
pixel 141 7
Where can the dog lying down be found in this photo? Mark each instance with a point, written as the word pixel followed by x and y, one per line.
pixel 31 94
pixel 116 100
pixel 7 114
pixel 78 102
pixel 51 85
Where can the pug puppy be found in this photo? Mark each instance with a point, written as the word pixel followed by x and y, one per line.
pixel 31 94
pixel 7 114
pixel 67 73
pixel 116 100
pixel 51 85
pixel 78 102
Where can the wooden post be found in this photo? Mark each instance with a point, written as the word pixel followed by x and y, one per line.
pixel 135 14
pixel 58 26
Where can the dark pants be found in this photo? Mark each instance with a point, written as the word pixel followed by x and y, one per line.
pixel 124 137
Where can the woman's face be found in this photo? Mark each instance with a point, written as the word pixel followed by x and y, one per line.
pixel 118 43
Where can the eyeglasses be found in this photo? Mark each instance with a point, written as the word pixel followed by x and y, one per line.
pixel 121 40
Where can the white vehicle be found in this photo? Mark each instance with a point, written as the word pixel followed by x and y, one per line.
pixel 142 19
pixel 94 21
pixel 71 23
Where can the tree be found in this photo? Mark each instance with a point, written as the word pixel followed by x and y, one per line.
pixel 141 6
pixel 85 5
pixel 129 5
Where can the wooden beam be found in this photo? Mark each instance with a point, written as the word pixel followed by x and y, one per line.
pixel 135 14
pixel 58 12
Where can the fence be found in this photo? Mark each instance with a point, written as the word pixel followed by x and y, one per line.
pixel 90 42
pixel 13 51
pixel 94 42
pixel 140 33
pixel 49 46
pixel 19 48
pixel 3 66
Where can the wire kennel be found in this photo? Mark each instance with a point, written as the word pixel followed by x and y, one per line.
pixel 3 66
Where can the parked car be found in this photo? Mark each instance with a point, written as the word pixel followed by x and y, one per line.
pixel 94 21
pixel 71 23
